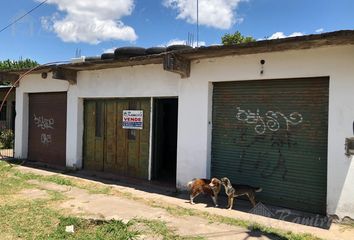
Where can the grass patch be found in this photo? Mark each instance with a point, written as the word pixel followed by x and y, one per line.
pixel 34 220
pixel 179 211
pixel 96 189
pixel 9 183
pixel 56 196
pixel 58 180
pixel 26 220
pixel 92 229
pixel 53 178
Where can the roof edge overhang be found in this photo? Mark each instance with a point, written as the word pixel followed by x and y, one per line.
pixel 337 38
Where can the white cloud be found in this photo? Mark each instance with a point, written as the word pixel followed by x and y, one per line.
pixel 212 13
pixel 320 30
pixel 282 35
pixel 182 42
pixel 91 21
pixel 175 42
pixel 109 50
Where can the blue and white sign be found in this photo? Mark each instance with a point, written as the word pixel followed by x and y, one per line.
pixel 133 119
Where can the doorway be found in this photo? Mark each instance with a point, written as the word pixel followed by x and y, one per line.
pixel 165 140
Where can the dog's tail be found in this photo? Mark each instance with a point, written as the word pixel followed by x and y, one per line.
pixel 189 184
pixel 258 189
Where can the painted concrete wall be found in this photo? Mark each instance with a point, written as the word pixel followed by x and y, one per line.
pixel 195 124
pixel 139 81
pixel 31 84
pixel 195 106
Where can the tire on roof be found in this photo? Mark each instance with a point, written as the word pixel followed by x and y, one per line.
pixel 129 52
pixel 177 47
pixel 155 50
pixel 106 56
pixel 94 58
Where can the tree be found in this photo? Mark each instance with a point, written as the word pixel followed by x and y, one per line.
pixel 236 38
pixel 9 65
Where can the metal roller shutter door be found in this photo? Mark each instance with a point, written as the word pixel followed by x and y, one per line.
pixel 273 134
pixel 47 128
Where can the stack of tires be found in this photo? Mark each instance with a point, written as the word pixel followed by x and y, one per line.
pixel 128 52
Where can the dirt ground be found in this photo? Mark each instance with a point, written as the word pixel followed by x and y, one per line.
pixel 128 206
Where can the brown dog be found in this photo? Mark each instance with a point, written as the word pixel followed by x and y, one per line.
pixel 210 187
pixel 239 190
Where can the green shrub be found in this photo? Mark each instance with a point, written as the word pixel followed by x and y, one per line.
pixel 7 139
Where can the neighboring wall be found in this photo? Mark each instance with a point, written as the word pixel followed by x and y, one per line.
pixel 195 122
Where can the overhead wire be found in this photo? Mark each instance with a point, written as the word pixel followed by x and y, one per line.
pixel 24 15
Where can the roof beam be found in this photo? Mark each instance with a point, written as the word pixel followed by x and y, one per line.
pixel 177 64
pixel 65 74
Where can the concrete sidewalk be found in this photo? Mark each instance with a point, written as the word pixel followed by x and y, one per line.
pixel 110 206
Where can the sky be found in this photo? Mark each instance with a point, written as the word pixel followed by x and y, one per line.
pixel 62 29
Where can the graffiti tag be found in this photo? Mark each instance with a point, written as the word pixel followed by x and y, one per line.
pixel 271 120
pixel 43 123
pixel 46 139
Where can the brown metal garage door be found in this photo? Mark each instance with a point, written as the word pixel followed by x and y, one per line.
pixel 47 128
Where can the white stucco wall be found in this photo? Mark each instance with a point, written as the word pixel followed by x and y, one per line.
pixel 194 134
pixel 195 106
pixel 31 84
pixel 138 81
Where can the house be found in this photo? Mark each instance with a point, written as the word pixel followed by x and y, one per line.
pixel 275 114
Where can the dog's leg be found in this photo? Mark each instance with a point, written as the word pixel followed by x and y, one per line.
pixel 215 200
pixel 231 202
pixel 252 198
pixel 228 201
pixel 193 195
pixel 191 199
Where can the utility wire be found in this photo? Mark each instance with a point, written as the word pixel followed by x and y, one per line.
pixel 24 15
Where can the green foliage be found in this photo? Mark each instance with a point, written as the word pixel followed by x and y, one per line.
pixel 236 38
pixel 9 65
pixel 7 139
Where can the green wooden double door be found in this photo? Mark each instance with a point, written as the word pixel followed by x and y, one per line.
pixel 108 147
